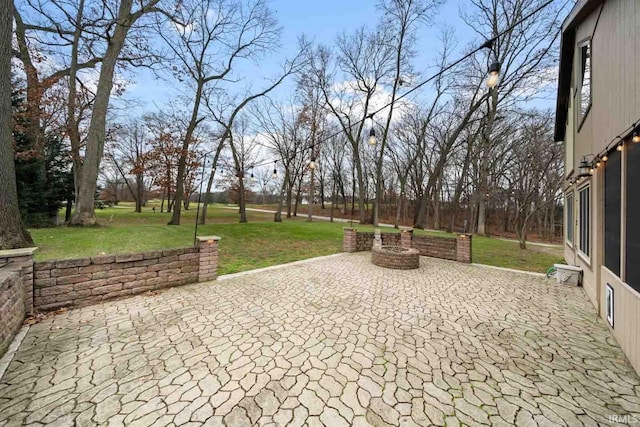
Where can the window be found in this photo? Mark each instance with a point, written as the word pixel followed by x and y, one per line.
pixel 632 224
pixel 584 226
pixel 609 304
pixel 570 218
pixel 612 209
pixel 585 79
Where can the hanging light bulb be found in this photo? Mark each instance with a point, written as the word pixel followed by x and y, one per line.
pixel 620 146
pixel 312 163
pixel 372 137
pixel 494 75
pixel 598 162
pixel 605 158
pixel 636 134
pixel 372 133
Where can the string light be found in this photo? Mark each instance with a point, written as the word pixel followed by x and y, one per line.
pixel 494 75
pixel 636 134
pixel 620 146
pixel 372 132
pixel 492 69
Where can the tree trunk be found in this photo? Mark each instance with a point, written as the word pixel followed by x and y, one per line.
pixel 203 216
pixel 242 200
pixel 139 191
pixel 322 206
pixel 277 217
pixel 13 234
pixel 399 208
pixel 485 155
pixel 289 195
pixel 94 149
pixel 334 200
pixel 67 211
pixel 361 193
pixel 182 162
pixel 311 195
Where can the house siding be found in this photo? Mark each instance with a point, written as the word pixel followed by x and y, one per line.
pixel 615 106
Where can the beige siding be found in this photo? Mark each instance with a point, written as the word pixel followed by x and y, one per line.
pixel 616 74
pixel 615 106
pixel 626 313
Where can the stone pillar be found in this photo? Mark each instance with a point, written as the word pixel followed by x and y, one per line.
pixel 350 240
pixel 377 239
pixel 208 261
pixel 463 248
pixel 21 260
pixel 406 238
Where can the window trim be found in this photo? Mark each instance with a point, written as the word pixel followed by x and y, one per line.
pixel 585 257
pixel 582 117
pixel 572 224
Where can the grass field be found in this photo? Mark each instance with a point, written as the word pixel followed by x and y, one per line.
pixel 258 243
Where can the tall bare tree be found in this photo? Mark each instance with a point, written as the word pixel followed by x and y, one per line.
pixel 115 35
pixel 206 40
pixel 349 81
pixel 13 234
pixel 524 52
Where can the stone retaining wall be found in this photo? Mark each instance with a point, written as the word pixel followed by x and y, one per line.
pixel 21 260
pixel 12 310
pixel 455 249
pixel 86 281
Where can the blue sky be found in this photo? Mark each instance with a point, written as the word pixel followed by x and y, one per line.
pixel 320 21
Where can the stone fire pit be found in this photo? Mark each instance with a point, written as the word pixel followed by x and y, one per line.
pixel 395 257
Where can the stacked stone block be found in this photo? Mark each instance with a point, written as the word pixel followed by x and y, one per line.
pixel 406 237
pixel 406 259
pixel 12 310
pixel 463 248
pixel 85 281
pixel 436 247
pixel 208 247
pixel 364 240
pixel 21 260
pixel 349 241
pixel 454 249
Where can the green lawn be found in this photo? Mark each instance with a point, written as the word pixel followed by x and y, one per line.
pixel 258 243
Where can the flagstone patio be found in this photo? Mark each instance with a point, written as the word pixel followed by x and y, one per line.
pixel 334 341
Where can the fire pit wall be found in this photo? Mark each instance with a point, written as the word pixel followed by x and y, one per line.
pixel 452 248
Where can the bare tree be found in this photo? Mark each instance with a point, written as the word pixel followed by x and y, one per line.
pixel 206 40
pixel 401 18
pixel 364 61
pixel 225 112
pixel 115 33
pixel 524 54
pixel 129 153
pixel 13 234
pixel 280 125
pixel 535 172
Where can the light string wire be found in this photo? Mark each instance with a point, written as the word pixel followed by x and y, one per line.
pixel 488 44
